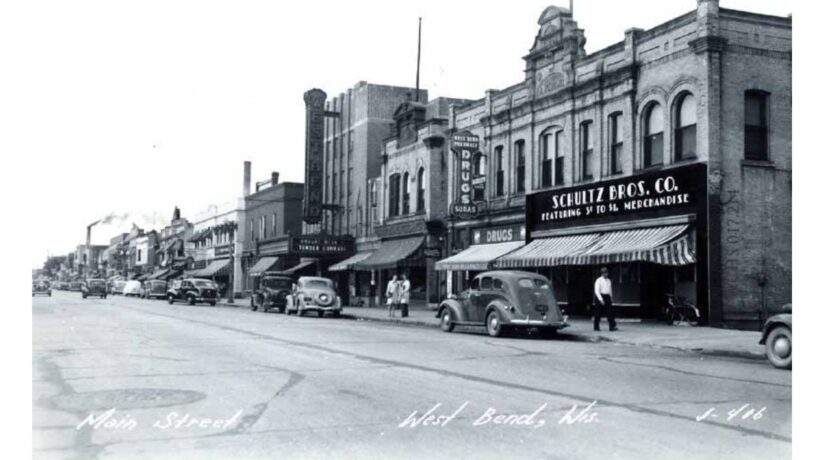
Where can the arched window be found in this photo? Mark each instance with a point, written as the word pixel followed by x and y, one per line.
pixel 586 149
pixel 551 155
pixel 406 193
pixel 421 205
pixel 478 171
pixel 653 135
pixel 394 194
pixel 685 120
pixel 616 142
pixel 520 167
pixel 499 170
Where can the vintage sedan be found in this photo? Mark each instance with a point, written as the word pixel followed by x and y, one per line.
pixel 313 293
pixel 777 337
pixel 132 288
pixel 94 287
pixel 153 289
pixel 500 300
pixel 192 291
pixel 271 292
pixel 116 286
pixel 41 288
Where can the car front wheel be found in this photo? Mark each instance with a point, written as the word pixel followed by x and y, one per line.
pixel 171 299
pixel 446 321
pixel 779 347
pixel 493 324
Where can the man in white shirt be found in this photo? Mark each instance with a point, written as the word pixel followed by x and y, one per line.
pixel 603 293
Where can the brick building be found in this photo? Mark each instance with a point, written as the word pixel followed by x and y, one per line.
pixel 272 217
pixel 407 215
pixel 702 100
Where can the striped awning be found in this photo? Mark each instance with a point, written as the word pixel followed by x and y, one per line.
pixel 158 273
pixel 477 257
pixel 669 245
pixel 265 263
pixel 215 268
pixel 347 263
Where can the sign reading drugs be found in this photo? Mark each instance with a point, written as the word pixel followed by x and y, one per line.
pixel 656 194
pixel 315 100
pixel 464 145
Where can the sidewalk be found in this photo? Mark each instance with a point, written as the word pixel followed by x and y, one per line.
pixel 704 340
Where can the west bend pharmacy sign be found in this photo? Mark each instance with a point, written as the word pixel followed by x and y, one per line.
pixel 661 193
pixel 464 145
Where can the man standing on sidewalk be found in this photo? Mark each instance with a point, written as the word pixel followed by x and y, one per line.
pixel 603 292
pixel 406 286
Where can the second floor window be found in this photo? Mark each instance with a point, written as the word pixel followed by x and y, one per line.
pixel 586 150
pixel 756 137
pixel 478 171
pixel 274 224
pixel 406 193
pixel 520 167
pixel 616 142
pixel 394 194
pixel 421 181
pixel 653 135
pixel 685 121
pixel 499 171
pixel 552 160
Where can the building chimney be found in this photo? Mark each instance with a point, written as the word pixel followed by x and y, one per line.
pixel 275 176
pixel 247 177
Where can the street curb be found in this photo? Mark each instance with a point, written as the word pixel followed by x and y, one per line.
pixel 585 337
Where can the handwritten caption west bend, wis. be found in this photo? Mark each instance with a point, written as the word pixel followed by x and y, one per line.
pixel 437 416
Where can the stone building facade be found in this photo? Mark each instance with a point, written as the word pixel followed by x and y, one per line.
pixel 710 87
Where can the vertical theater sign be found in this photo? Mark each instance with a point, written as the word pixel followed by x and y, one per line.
pixel 315 100
pixel 464 145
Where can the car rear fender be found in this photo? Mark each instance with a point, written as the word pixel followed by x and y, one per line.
pixel 499 306
pixel 773 322
pixel 455 306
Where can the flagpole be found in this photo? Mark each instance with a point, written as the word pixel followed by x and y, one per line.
pixel 418 69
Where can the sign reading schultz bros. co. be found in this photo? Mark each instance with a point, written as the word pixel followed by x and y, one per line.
pixel 661 193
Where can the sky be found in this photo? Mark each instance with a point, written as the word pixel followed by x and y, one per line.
pixel 141 106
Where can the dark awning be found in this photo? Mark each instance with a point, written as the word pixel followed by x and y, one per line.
pixel 667 245
pixel 477 257
pixel 390 253
pixel 265 263
pixel 303 264
pixel 157 274
pixel 215 268
pixel 350 262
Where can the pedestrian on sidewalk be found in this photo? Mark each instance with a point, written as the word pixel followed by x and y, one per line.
pixel 393 295
pixel 603 293
pixel 406 286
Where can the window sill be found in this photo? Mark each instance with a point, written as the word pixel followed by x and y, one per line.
pixel 758 164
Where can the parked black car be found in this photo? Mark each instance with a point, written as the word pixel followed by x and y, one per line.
pixel 94 287
pixel 777 336
pixel 192 291
pixel 271 292
pixel 153 289
pixel 501 300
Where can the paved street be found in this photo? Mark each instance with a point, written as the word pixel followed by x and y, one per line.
pixel 335 388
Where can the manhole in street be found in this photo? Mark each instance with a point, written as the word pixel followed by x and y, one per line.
pixel 127 398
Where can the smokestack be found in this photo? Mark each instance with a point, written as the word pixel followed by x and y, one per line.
pixel 275 176
pixel 247 177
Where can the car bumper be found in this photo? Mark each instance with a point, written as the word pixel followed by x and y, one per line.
pixel 538 323
pixel 311 307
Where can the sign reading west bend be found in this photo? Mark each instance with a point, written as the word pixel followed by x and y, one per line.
pixel 315 100
pixel 660 193
pixel 464 145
